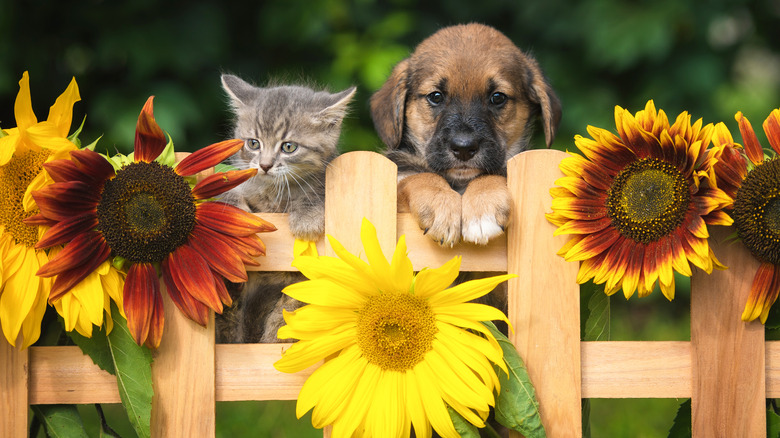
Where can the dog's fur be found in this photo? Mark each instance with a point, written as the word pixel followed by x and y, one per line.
pixel 452 148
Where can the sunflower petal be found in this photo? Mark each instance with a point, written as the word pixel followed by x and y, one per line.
pixel 227 219
pixel 304 354
pixel 468 291
pixel 66 230
pixel 772 129
pixel 61 113
pixel 191 271
pixel 221 182
pixel 25 117
pixel 185 302
pixel 75 262
pixel 752 146
pixel 60 201
pixel 149 137
pixel 142 289
pixel 209 156
pixel 432 281
pixel 220 256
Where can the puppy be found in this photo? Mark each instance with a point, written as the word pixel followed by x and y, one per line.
pixel 451 115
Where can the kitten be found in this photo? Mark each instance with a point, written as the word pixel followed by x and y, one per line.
pixel 290 135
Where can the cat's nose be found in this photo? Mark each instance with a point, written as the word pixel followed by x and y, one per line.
pixel 266 167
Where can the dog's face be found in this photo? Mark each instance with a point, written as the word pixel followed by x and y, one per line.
pixel 464 102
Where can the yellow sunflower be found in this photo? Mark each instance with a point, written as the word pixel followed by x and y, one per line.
pixel 23 150
pixel 754 183
pixel 398 347
pixel 637 204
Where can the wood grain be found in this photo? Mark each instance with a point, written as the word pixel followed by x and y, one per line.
pixel 13 395
pixel 729 383
pixel 642 369
pixel 544 300
pixel 357 185
pixel 183 376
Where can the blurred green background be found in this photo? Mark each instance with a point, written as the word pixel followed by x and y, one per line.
pixel 711 58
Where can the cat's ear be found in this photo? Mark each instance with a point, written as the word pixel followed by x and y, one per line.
pixel 237 89
pixel 334 113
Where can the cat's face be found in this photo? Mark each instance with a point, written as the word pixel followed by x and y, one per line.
pixel 288 131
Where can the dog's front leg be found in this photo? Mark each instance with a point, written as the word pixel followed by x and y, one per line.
pixel 486 209
pixel 433 203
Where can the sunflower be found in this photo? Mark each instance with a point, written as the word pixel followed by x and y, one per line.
pixel 146 214
pixel 23 151
pixel 398 347
pixel 638 204
pixel 754 183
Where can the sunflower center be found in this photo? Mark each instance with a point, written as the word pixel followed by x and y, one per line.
pixel 394 331
pixel 146 212
pixel 15 176
pixel 648 199
pixel 757 212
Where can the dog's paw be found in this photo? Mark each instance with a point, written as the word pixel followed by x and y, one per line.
pixel 439 217
pixel 435 206
pixel 486 209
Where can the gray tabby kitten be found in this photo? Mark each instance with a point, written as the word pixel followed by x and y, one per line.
pixel 290 135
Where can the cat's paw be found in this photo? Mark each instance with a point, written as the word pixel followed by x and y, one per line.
pixel 486 207
pixel 307 225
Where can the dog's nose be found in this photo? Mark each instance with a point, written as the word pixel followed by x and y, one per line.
pixel 464 146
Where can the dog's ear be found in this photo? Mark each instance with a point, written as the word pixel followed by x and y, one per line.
pixel 541 93
pixel 388 106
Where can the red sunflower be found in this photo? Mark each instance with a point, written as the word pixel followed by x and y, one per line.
pixel 637 204
pixel 145 214
pixel 754 183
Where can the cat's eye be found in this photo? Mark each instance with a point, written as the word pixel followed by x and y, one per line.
pixel 435 98
pixel 498 98
pixel 289 147
pixel 253 143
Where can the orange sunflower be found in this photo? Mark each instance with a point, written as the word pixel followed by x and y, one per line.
pixel 637 204
pixel 146 214
pixel 754 183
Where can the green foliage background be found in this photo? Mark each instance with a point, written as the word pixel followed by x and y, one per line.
pixel 711 58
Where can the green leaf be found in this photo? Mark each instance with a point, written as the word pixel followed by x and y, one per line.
pixel 681 428
pixel 597 323
pixel 133 365
pixel 516 404
pixel 74 138
pixel 462 426
pixel 96 347
pixel 167 156
pixel 772 420
pixel 93 145
pixel 61 421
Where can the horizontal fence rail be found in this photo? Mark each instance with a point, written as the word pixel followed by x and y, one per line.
pixel 727 367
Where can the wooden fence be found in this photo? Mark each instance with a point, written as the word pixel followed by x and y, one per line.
pixel 726 368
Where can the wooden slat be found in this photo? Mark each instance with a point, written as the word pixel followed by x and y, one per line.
pixel 13 395
pixel 183 376
pixel 639 369
pixel 246 372
pixel 729 384
pixel 65 375
pixel 636 369
pixel 544 301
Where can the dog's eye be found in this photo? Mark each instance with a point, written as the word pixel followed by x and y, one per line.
pixel 497 98
pixel 253 143
pixel 435 98
pixel 289 147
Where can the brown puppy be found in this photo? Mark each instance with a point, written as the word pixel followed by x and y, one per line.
pixel 451 115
